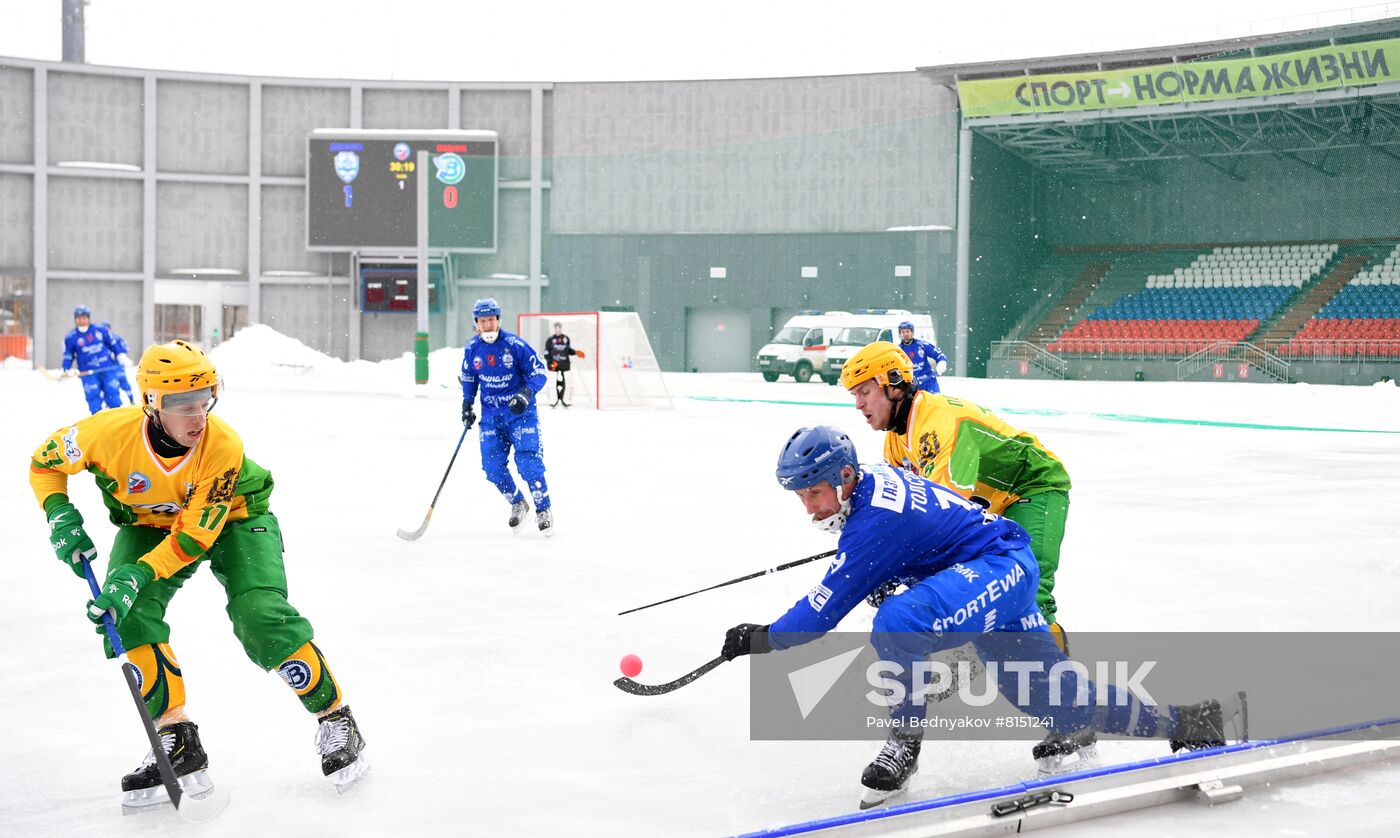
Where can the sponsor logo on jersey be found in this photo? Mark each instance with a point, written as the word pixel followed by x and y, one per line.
pixel 166 508
pixel 490 360
pixel 70 445
pixel 508 359
pixel 136 483
pixel 818 597
pixel 889 491
pixel 836 564
pixel 476 363
pixel 296 673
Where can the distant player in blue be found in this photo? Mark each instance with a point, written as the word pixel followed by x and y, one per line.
pixel 970 576
pixel 509 374
pixel 90 351
pixel 929 360
pixel 123 358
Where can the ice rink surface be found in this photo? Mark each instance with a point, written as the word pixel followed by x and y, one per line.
pixel 479 664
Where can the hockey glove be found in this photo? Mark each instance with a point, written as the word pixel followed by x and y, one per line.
pixel 519 402
pixel 745 639
pixel 468 415
pixel 69 540
pixel 882 593
pixel 940 367
pixel 119 592
pixel 579 352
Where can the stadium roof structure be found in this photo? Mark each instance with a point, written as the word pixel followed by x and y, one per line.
pixel 1314 129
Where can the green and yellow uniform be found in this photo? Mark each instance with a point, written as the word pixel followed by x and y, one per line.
pixel 961 445
pixel 173 514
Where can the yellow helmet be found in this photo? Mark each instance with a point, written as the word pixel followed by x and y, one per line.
pixel 878 360
pixel 175 368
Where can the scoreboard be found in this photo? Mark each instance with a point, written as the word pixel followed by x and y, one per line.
pixel 362 190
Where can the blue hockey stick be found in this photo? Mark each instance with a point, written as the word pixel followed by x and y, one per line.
pixel 191 809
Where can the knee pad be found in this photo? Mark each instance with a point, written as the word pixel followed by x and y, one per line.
pixel 267 626
pixel 162 686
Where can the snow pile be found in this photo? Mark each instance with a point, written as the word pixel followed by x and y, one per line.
pixel 260 345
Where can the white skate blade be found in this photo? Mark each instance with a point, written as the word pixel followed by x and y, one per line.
pixel 870 798
pixel 1085 757
pixel 200 801
pixel 350 775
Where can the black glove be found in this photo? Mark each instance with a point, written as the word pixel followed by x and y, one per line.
pixel 468 415
pixel 745 639
pixel 882 593
pixel 519 402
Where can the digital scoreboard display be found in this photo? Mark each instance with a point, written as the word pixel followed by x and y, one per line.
pixel 362 190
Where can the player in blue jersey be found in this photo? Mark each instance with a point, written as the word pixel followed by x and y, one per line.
pixel 929 360
pixel 122 358
pixel 970 575
pixel 508 374
pixel 90 352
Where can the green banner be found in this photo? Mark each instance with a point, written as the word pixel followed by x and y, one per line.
pixel 1326 68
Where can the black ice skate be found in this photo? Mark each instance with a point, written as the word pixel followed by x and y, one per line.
pixel 1210 723
pixel 518 511
pixel 143 790
pixel 342 748
pixel 1059 753
pixel 889 774
pixel 545 518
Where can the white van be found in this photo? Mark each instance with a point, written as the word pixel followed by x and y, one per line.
pixel 799 347
pixel 867 326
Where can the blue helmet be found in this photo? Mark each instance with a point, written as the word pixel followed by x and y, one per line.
pixel 906 325
pixel 486 307
pixel 82 311
pixel 813 455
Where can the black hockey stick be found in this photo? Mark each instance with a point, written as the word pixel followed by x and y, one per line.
pixel 627 685
pixel 422 528
pixel 828 554
pixel 195 810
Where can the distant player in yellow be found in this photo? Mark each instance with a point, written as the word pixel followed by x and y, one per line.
pixel 965 447
pixel 181 493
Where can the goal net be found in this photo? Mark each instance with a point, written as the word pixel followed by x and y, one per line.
pixel 618 368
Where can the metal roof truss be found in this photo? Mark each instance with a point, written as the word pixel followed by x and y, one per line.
pixel 1305 131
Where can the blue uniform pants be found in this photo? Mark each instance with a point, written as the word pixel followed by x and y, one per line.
pixel 101 386
pixel 990 601
pixel 929 383
pixel 502 431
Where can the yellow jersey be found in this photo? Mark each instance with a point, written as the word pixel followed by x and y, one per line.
pixel 193 495
pixel 963 446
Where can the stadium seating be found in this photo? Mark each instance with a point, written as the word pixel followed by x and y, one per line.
pixel 1362 320
pixel 1220 296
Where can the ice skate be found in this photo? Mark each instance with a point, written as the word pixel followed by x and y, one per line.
pixel 143 789
pixel 342 748
pixel 1060 753
pixel 889 774
pixel 518 512
pixel 1210 723
pixel 545 518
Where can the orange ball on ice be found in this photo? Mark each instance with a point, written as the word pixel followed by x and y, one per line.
pixel 631 666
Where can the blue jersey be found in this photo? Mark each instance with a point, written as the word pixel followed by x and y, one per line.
pixel 91 350
pixel 925 357
pixel 500 370
pixel 901 528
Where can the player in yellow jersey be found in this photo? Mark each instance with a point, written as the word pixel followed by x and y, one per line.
pixel 967 448
pixel 181 492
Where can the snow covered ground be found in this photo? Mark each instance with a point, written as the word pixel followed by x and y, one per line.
pixel 480 664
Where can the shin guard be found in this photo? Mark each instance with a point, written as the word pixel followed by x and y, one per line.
pixel 162 686
pixel 306 672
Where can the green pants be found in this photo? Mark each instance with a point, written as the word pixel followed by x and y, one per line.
pixel 1043 516
pixel 247 561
